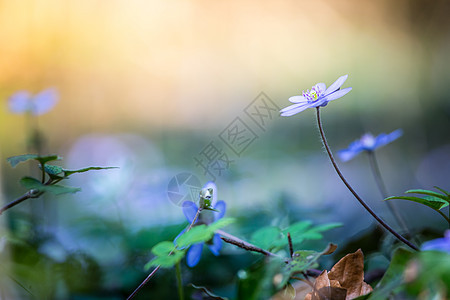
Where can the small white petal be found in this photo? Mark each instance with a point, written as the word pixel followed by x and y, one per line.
pixel 294 109
pixel 297 99
pixel 321 87
pixel 337 84
pixel 338 94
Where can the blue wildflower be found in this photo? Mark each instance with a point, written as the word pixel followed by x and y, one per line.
pixel 368 143
pixel 319 95
pixel 23 102
pixel 206 217
pixel 440 244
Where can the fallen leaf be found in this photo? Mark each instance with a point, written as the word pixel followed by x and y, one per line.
pixel 344 281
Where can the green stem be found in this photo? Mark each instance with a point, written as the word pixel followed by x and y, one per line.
pixel 179 281
pixel 360 200
pixel 382 187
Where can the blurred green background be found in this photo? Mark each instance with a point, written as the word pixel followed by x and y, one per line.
pixel 148 85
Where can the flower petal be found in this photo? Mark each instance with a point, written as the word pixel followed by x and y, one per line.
pixel 336 85
pixel 297 99
pixel 189 210
pixel 194 254
pixel 44 101
pixel 384 139
pixel 353 149
pixel 347 154
pixel 20 102
pixel 294 109
pixel 216 245
pixel 221 206
pixel 338 94
pixel 321 87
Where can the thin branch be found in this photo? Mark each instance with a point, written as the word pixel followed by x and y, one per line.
pixel 360 200
pixel 28 195
pixel 231 239
pixel 291 248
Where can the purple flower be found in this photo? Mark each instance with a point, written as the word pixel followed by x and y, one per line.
pixel 368 143
pixel 441 244
pixel 23 102
pixel 206 217
pixel 319 95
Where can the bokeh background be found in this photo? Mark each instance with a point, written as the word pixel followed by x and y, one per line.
pixel 148 85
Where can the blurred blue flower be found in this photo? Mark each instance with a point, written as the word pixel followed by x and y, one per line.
pixel 23 102
pixel 368 143
pixel 319 95
pixel 440 244
pixel 206 217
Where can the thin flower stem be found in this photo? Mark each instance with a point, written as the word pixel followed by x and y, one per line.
pixel 382 187
pixel 360 200
pixel 147 279
pixel 195 219
pixel 144 282
pixel 179 281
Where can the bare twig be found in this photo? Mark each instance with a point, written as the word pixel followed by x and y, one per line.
pixel 291 248
pixel 28 195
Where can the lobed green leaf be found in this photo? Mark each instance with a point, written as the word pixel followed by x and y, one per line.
pixel 266 237
pixel 15 160
pixel 163 248
pixel 165 261
pixel 221 223
pixel 197 234
pixel 34 184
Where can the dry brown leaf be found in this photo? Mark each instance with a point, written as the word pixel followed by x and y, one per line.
pixel 344 281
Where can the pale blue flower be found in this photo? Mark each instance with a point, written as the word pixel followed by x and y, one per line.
pixel 440 244
pixel 206 217
pixel 368 143
pixel 319 95
pixel 24 102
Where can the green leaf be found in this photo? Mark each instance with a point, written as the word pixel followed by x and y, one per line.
pixel 221 223
pixel 429 193
pixel 303 260
pixel 392 279
pixel 442 190
pixel 165 261
pixel 15 160
pixel 34 184
pixel 298 227
pixel 163 248
pixel 300 232
pixel 197 234
pixel 266 237
pixel 430 201
pixel 70 172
